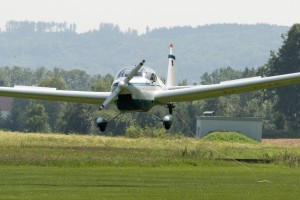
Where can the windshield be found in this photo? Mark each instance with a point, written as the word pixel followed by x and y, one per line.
pixel 143 72
pixel 124 72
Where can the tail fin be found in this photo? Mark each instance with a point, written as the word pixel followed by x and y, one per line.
pixel 171 78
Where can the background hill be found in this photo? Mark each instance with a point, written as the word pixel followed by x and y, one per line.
pixel 107 49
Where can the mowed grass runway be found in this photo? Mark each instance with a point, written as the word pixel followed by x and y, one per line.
pixel 36 166
pixel 201 182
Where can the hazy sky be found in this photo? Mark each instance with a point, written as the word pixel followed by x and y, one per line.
pixel 138 14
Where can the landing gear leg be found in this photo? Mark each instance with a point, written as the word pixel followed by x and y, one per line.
pixel 168 119
pixel 170 106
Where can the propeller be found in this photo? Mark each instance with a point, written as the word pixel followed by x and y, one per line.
pixel 122 85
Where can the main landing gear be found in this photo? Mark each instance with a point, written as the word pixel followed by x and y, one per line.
pixel 166 120
pixel 102 122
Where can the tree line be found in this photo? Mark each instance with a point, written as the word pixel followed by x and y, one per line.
pixel 23 27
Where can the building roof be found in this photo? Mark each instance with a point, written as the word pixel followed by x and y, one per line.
pixel 229 118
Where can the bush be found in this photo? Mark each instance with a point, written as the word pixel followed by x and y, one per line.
pixel 135 132
pixel 228 137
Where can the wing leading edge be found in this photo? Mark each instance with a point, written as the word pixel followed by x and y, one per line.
pixel 225 88
pixel 52 94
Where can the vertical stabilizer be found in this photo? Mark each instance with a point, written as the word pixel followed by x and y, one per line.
pixel 171 78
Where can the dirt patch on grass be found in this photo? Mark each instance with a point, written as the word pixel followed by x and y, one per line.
pixel 284 142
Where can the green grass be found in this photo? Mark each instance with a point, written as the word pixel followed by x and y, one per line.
pixel 229 137
pixel 89 151
pixel 48 166
pixel 201 182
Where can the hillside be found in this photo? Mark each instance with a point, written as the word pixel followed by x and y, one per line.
pixel 107 49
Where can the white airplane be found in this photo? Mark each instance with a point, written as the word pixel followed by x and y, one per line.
pixel 138 89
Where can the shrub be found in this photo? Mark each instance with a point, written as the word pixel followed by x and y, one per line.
pixel 135 132
pixel 228 137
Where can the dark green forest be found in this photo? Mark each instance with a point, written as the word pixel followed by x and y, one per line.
pixel 107 49
pixel 279 107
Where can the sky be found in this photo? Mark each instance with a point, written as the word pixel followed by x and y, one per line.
pixel 138 14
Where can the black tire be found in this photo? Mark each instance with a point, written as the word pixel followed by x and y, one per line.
pixel 167 126
pixel 102 128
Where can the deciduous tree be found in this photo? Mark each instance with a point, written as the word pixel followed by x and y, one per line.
pixel 36 119
pixel 286 60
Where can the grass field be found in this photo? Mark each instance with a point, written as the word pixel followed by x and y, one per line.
pixel 201 182
pixel 37 166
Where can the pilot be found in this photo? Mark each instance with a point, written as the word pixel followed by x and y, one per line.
pixel 153 77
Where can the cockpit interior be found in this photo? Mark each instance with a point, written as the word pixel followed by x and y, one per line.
pixel 145 72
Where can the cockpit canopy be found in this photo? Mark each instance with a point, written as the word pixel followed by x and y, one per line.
pixel 145 72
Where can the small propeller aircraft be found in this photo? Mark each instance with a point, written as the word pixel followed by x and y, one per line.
pixel 138 89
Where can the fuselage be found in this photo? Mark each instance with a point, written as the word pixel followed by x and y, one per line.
pixel 138 95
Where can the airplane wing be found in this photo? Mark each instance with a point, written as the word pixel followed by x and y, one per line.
pixel 43 93
pixel 225 88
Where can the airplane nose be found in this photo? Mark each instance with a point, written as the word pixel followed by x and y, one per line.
pixel 122 84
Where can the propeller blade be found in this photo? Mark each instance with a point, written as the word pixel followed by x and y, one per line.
pixel 110 98
pixel 122 84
